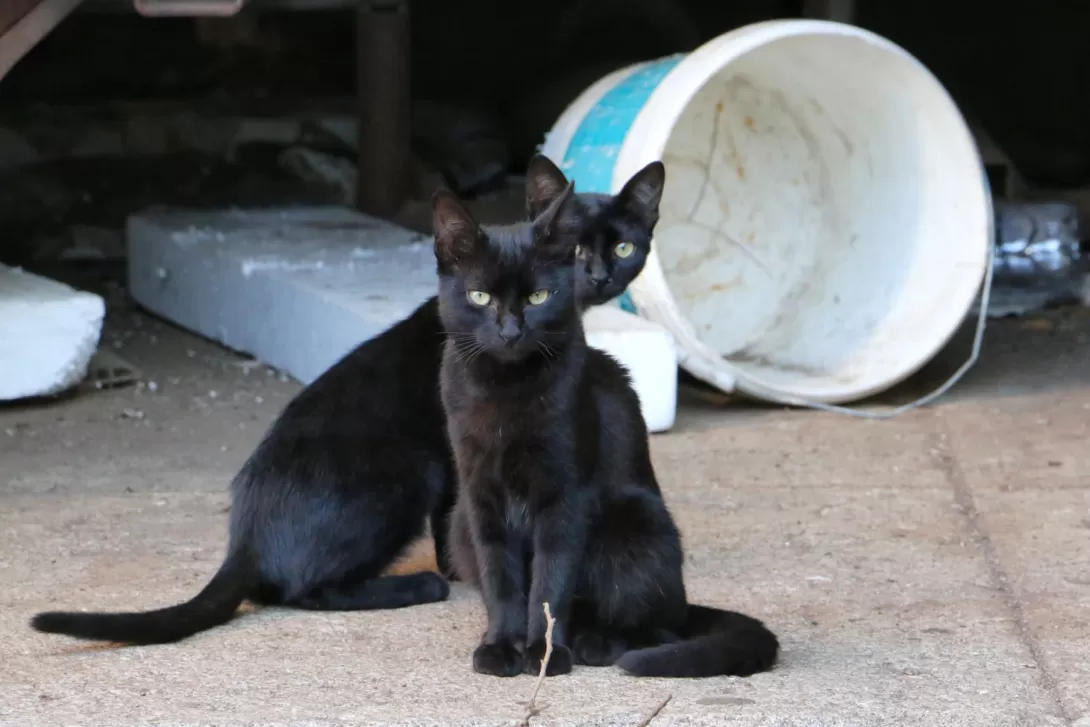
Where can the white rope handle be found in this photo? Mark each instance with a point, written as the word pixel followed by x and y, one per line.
pixel 978 341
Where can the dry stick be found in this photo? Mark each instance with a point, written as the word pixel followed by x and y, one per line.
pixel 655 712
pixel 532 710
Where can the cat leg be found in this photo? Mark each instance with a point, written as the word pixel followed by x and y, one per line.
pixel 592 644
pixel 440 526
pixel 371 594
pixel 595 643
pixel 559 536
pixel 502 570
pixel 461 552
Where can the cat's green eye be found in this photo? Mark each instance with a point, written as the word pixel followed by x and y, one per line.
pixel 479 297
pixel 624 249
pixel 538 297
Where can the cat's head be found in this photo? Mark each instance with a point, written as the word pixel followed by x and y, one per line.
pixel 616 238
pixel 507 292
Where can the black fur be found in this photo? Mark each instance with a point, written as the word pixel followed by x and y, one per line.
pixel 558 501
pixel 345 479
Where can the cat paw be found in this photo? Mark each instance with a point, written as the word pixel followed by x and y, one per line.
pixel 560 661
pixel 499 660
pixel 593 649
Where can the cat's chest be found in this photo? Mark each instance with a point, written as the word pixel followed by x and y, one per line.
pixel 508 441
pixel 497 424
pixel 502 417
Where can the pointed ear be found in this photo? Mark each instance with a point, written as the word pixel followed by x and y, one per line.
pixel 558 227
pixel 456 232
pixel 641 194
pixel 544 183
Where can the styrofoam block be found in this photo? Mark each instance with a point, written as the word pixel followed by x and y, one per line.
pixel 647 350
pixel 296 288
pixel 48 334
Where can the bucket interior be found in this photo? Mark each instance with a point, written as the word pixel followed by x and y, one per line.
pixel 825 220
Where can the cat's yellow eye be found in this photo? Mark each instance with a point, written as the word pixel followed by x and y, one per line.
pixel 479 297
pixel 624 249
pixel 538 297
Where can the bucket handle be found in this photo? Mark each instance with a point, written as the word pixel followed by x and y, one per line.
pixel 978 341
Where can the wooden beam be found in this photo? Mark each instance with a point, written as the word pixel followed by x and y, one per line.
pixel 23 24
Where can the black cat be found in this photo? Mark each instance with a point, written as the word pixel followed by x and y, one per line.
pixel 616 238
pixel 349 473
pixel 558 500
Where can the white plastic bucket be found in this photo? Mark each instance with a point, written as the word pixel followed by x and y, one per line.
pixel 826 222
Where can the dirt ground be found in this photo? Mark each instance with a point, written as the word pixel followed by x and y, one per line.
pixel 929 570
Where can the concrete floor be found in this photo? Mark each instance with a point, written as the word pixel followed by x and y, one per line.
pixel 929 570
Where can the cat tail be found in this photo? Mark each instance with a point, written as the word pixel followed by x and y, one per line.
pixel 214 605
pixel 718 643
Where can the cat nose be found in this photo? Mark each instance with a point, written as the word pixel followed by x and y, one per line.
pixel 599 280
pixel 509 331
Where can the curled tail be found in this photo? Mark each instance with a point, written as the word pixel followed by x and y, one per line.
pixel 716 643
pixel 214 605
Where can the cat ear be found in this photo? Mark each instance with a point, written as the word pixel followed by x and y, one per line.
pixel 641 194
pixel 559 225
pixel 544 183
pixel 455 230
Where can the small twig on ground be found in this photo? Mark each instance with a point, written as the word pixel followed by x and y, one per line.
pixel 532 710
pixel 655 712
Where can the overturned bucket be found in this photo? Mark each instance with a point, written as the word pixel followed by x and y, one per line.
pixel 826 222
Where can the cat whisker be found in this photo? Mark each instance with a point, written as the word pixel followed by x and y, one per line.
pixel 465 350
pixel 549 353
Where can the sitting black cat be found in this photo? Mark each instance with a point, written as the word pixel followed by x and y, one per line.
pixel 348 474
pixel 558 500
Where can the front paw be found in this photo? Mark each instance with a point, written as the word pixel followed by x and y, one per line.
pixel 560 660
pixel 594 649
pixel 502 659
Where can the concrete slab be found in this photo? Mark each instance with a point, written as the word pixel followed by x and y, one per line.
pixel 908 591
pixel 1039 539
pixel 904 647
pixel 1029 498
pixel 1049 450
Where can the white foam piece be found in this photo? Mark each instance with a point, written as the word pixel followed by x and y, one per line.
pixel 299 288
pixel 647 350
pixel 296 288
pixel 48 334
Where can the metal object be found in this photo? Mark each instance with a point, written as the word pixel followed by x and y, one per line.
pixel 1038 256
pixel 188 8
pixel 382 85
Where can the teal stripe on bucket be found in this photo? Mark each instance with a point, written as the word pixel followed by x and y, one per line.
pixel 593 149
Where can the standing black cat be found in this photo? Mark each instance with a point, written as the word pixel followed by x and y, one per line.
pixel 558 500
pixel 348 474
